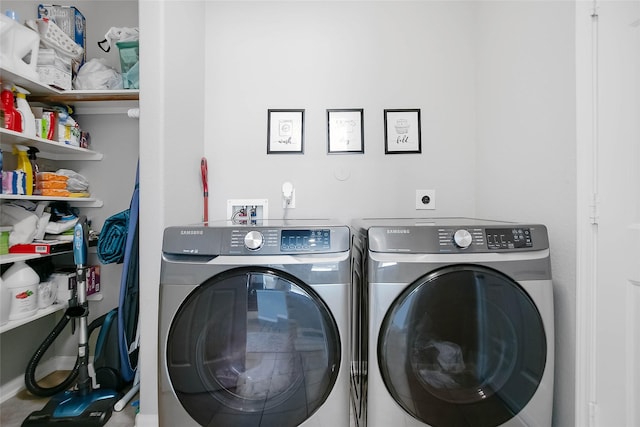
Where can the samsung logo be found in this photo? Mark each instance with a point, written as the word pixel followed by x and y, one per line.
pixel 191 232
pixel 398 231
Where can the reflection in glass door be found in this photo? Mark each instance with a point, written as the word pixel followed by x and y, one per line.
pixel 463 346
pixel 253 347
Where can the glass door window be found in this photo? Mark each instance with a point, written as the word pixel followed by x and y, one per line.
pixel 463 346
pixel 253 347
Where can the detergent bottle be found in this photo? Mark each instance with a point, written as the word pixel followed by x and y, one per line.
pixel 28 119
pixel 25 165
pixel 34 166
pixel 20 282
pixel 12 118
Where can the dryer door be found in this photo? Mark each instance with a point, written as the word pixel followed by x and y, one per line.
pixel 463 346
pixel 252 347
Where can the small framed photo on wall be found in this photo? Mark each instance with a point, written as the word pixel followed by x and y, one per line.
pixel 345 131
pixel 285 131
pixel 402 131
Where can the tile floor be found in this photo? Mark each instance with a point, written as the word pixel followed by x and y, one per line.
pixel 15 410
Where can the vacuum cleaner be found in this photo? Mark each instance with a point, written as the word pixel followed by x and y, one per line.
pixel 82 405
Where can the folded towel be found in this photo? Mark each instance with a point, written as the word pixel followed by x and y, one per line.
pixel 113 238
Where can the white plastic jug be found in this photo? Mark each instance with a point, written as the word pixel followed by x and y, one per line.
pixel 5 301
pixel 22 283
pixel 16 43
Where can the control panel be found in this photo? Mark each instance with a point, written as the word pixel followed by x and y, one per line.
pixel 495 238
pixel 305 240
pixel 207 241
pixel 254 240
pixel 281 240
pixel 461 238
pixel 509 238
pixel 477 236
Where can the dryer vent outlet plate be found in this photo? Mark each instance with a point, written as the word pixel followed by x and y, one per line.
pixel 425 199
pixel 247 211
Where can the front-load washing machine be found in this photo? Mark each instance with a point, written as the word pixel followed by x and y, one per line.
pixel 254 325
pixel 460 322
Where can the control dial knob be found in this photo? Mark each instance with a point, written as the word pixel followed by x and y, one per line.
pixel 462 239
pixel 253 240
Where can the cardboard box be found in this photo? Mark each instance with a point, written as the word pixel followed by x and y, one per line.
pixel 65 279
pixel 54 76
pixel 93 279
pixel 46 123
pixel 70 20
pixel 54 70
pixel 41 247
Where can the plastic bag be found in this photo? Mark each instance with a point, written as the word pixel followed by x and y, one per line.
pixel 95 74
pixel 116 34
pixel 24 223
pixel 75 181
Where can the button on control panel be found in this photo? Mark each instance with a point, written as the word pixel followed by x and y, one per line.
pixel 279 241
pixel 305 240
pixel 254 240
pixel 509 238
pixel 460 238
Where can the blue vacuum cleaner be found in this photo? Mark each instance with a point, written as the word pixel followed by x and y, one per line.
pixel 82 406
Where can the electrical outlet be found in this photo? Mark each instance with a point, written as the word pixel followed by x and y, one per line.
pixel 291 203
pixel 425 199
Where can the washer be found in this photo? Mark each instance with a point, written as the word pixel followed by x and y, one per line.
pixel 254 325
pixel 460 323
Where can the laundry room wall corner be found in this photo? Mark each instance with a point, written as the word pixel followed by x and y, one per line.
pixel 526 108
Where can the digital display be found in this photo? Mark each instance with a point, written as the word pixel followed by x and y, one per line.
pixel 305 240
pixel 508 238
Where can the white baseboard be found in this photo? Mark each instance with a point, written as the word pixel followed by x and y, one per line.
pixel 12 387
pixel 147 420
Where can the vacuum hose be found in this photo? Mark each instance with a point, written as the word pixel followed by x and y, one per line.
pixel 30 374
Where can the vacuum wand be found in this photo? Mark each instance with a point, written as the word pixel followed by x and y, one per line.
pixel 80 249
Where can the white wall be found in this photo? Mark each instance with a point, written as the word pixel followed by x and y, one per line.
pixel 171 146
pixel 526 161
pixel 494 80
pixel 320 55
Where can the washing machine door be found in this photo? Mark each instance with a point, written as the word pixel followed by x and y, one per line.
pixel 252 347
pixel 463 346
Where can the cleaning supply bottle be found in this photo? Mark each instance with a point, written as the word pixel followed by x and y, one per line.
pixel 28 119
pixel 5 303
pixel 25 165
pixel 12 117
pixel 34 167
pixel 21 282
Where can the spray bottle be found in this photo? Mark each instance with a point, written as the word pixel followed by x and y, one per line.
pixel 12 118
pixel 28 119
pixel 34 166
pixel 25 165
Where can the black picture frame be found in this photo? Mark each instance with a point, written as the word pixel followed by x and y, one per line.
pixel 402 131
pixel 285 131
pixel 345 131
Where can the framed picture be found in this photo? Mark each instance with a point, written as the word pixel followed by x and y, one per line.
pixel 402 131
pixel 285 131
pixel 345 131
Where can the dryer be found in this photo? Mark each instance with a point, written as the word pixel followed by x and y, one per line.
pixel 254 325
pixel 460 328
